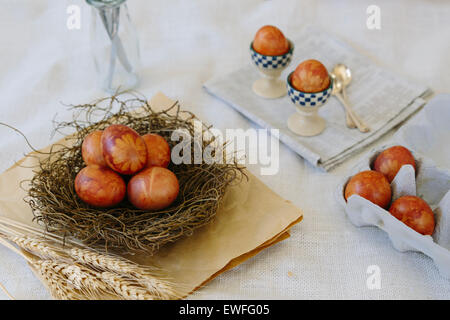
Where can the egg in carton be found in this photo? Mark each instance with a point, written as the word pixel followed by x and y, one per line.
pixel 428 182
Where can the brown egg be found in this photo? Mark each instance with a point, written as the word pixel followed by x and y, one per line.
pixel 310 76
pixel 371 185
pixel 392 159
pixel 270 41
pixel 153 188
pixel 91 149
pixel 99 186
pixel 158 150
pixel 415 213
pixel 124 149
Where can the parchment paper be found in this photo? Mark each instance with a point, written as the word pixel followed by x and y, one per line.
pixel 251 218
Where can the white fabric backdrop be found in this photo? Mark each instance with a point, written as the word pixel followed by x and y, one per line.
pixel 185 43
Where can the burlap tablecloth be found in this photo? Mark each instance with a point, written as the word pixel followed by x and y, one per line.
pixel 185 43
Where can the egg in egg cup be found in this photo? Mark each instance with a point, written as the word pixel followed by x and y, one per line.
pixel 269 86
pixel 306 122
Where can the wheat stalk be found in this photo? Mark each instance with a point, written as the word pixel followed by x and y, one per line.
pixel 6 292
pixel 13 227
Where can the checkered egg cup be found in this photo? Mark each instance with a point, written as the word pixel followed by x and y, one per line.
pixel 271 62
pixel 306 99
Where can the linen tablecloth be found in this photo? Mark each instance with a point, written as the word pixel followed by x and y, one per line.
pixel 43 65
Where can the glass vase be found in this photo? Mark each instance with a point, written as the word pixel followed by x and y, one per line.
pixel 114 45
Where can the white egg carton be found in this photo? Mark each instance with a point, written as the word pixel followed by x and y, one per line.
pixel 431 183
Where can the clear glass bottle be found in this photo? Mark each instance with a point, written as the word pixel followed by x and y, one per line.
pixel 114 45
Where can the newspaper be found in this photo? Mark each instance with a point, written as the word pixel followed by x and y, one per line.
pixel 382 99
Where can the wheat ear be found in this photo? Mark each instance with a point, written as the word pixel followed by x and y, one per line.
pixel 58 285
pixel 41 248
pixel 127 288
pixel 77 276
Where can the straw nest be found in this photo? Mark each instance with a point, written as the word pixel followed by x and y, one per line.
pixel 123 228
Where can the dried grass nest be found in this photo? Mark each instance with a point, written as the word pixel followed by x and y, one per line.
pixel 123 228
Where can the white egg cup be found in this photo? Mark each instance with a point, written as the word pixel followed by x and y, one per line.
pixel 306 122
pixel 270 86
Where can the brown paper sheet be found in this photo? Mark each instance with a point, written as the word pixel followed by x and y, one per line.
pixel 251 218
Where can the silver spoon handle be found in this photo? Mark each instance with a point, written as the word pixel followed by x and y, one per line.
pixel 348 119
pixel 359 123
